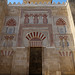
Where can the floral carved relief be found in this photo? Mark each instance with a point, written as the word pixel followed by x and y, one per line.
pixel 11 22
pixel 60 21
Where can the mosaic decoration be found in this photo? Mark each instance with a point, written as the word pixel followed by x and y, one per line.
pixel 60 21
pixel 36 19
pixel 11 22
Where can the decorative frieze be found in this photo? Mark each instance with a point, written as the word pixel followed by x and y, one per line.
pixel 36 19
pixel 35 43
pixel 9 37
pixel 34 4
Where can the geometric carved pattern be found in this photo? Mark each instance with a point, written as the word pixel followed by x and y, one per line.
pixel 60 21
pixel 35 18
pixel 63 37
pixel 9 37
pixel 6 53
pixel 11 22
pixel 65 53
pixel 35 35
pixel 35 43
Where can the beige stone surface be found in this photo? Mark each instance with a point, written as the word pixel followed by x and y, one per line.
pixel 55 60
pixel 20 62
pixel 3 12
pixel 5 64
pixel 58 72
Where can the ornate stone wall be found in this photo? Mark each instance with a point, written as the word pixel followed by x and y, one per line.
pixel 16 61
pixel 37 25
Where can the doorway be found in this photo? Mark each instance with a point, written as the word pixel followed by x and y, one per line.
pixel 35 63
